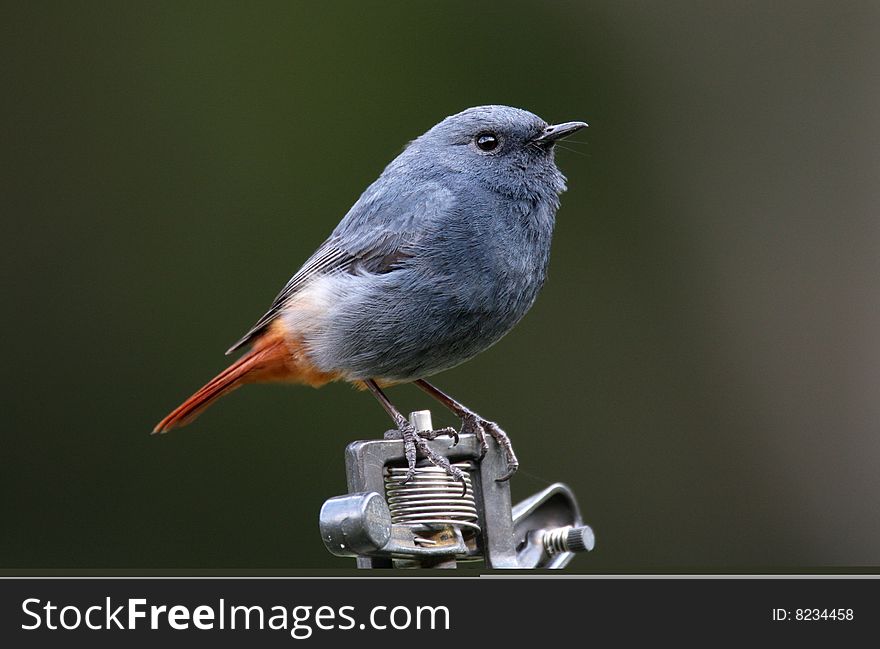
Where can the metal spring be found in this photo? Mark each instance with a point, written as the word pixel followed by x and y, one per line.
pixel 431 498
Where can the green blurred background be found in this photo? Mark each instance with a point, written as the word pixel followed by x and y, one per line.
pixel 702 366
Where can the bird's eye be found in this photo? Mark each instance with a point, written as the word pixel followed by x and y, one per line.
pixel 486 141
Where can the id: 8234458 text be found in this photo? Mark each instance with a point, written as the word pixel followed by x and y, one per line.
pixel 813 614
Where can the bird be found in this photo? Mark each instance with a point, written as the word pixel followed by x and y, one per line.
pixel 435 262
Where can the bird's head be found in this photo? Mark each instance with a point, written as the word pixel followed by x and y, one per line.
pixel 508 149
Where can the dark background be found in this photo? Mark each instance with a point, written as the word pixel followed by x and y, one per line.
pixel 702 366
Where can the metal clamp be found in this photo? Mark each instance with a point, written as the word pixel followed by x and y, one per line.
pixel 427 522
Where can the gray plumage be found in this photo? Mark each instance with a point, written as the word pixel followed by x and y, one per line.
pixel 439 258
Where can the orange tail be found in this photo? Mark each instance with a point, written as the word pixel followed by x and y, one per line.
pixel 258 364
pixel 273 357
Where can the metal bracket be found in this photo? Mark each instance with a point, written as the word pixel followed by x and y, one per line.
pixel 541 532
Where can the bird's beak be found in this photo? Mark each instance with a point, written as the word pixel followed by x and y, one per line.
pixel 558 131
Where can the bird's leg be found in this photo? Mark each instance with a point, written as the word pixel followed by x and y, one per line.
pixel 415 441
pixel 471 422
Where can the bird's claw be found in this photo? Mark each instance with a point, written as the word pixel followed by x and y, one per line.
pixel 471 425
pixel 449 431
pixel 476 425
pixel 416 442
pixel 410 474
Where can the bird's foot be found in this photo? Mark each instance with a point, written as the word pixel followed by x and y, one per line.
pixel 471 422
pixel 449 431
pixel 415 443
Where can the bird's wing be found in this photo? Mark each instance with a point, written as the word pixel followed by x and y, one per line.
pixel 378 234
pixel 326 259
